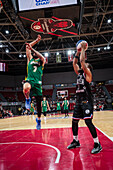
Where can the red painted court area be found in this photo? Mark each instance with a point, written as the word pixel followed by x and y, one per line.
pixel 46 150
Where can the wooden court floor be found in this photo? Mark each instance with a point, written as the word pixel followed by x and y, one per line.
pixel 22 147
pixel 102 120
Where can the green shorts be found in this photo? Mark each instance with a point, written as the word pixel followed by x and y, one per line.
pixel 58 108
pixel 36 89
pixel 44 110
pixel 32 110
pixel 65 108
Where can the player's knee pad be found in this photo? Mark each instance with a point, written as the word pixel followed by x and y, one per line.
pixel 26 87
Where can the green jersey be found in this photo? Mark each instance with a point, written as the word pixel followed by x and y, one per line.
pixel 65 105
pixel 32 108
pixel 58 106
pixel 44 106
pixel 35 71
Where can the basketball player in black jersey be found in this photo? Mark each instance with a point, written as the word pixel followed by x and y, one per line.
pixel 84 103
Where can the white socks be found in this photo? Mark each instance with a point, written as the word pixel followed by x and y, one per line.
pixel 44 118
pixel 75 137
pixel 96 140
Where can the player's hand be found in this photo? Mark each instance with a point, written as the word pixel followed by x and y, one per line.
pixel 83 45
pixel 38 38
pixel 28 46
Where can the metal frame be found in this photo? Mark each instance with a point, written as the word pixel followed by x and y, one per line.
pixel 94 29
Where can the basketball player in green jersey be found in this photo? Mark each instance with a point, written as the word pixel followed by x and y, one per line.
pixel 58 107
pixel 45 107
pixel 33 84
pixel 65 104
pixel 32 108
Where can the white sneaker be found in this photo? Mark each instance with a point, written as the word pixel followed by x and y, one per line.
pixel 33 117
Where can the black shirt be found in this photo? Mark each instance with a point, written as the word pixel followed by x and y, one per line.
pixel 83 89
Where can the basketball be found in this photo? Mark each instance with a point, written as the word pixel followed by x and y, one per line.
pixel 78 45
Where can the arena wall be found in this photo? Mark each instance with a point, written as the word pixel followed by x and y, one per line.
pixel 56 78
pixel 70 77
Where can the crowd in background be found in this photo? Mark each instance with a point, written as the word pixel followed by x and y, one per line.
pixel 100 102
pixel 5 112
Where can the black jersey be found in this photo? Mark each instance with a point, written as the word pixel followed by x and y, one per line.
pixel 83 89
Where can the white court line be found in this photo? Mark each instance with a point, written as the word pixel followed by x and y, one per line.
pixel 36 143
pixel 111 138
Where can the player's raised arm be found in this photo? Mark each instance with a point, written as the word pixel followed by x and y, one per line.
pixel 84 65
pixel 75 61
pixel 35 41
pixel 39 55
pixel 28 48
pixel 28 53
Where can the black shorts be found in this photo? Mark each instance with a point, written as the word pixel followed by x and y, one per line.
pixel 83 111
pixel 66 111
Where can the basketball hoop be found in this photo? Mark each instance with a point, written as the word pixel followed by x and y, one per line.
pixel 62 96
pixel 1 6
pixel 62 93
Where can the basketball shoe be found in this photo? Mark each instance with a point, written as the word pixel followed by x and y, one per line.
pixel 97 148
pixel 28 103
pixel 38 126
pixel 74 144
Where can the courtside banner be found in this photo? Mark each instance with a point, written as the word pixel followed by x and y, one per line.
pixel 38 4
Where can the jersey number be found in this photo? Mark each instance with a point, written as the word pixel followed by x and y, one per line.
pixel 35 68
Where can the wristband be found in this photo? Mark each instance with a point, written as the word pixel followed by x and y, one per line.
pixel 77 57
